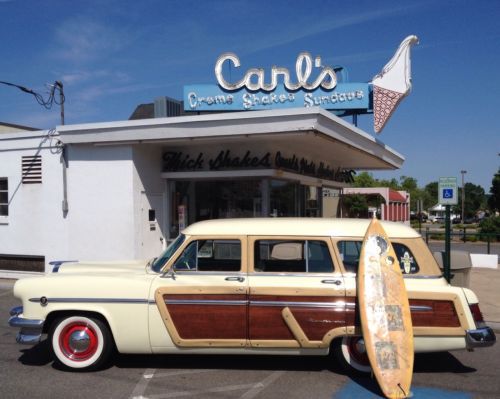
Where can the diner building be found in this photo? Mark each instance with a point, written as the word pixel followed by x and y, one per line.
pixel 122 190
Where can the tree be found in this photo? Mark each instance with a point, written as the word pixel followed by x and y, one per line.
pixel 431 190
pixel 364 179
pixel 494 199
pixel 474 199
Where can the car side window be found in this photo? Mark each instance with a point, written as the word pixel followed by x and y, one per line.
pixel 292 256
pixel 350 252
pixel 210 255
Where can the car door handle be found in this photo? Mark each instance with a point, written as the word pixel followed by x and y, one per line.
pixel 239 279
pixel 336 282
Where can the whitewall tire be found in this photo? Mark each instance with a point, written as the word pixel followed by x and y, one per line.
pixel 80 342
pixel 351 355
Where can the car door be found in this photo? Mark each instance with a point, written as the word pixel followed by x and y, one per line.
pixel 296 292
pixel 203 298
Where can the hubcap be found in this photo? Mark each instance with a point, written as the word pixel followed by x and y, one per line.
pixel 357 350
pixel 78 341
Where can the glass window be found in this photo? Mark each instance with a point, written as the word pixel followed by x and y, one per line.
pixel 292 256
pixel 4 196
pixel 167 254
pixel 211 255
pixel 351 250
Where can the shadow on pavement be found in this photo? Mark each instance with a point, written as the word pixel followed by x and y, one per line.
pixel 442 362
pixel 38 355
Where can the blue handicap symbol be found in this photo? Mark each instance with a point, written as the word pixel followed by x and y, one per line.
pixel 447 193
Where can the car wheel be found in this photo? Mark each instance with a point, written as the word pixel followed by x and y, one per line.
pixel 80 342
pixel 351 355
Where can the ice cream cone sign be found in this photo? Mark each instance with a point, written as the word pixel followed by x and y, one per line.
pixel 392 84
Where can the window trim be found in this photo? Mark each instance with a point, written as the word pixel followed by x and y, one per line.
pixel 327 240
pixel 191 239
pixel 360 241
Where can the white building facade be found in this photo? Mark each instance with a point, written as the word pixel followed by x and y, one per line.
pixel 124 189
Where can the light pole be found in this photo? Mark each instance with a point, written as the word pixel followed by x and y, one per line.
pixel 463 172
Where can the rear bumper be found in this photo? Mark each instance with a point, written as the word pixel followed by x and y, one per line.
pixel 30 331
pixel 480 338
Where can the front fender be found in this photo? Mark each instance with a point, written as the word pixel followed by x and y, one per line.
pixel 121 300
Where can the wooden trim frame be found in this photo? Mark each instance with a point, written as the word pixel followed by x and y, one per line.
pixel 172 330
pixel 432 331
pixel 301 337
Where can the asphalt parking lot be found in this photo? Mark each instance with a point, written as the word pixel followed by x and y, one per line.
pixel 29 373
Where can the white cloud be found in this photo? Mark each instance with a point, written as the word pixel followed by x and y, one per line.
pixel 83 39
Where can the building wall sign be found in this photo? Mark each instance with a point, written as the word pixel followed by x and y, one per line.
pixel 280 90
pixel 178 161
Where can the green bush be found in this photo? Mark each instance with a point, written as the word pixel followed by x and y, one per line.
pixel 490 226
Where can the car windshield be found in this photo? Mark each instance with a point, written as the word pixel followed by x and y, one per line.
pixel 165 255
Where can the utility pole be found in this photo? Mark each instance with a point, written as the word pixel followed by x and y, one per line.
pixel 463 172
pixel 59 85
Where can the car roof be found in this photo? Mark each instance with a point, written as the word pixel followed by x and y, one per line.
pixel 331 227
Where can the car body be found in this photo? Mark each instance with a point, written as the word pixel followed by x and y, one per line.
pixel 284 286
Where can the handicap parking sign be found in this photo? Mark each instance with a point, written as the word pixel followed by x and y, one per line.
pixel 447 189
pixel 447 193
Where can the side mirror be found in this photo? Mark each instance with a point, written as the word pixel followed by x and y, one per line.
pixel 170 273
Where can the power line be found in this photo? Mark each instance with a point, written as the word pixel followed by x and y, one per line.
pixel 46 103
pixel 52 98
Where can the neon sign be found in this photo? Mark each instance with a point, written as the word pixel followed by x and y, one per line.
pixel 327 79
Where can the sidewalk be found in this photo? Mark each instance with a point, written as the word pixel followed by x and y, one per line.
pixel 486 285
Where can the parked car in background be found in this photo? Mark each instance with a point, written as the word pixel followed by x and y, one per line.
pixel 277 286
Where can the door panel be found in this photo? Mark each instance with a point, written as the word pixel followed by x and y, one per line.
pixel 303 301
pixel 204 302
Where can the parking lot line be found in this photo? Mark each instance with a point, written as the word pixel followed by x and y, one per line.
pixel 254 391
pixel 142 384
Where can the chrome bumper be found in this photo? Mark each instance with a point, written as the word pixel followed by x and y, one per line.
pixel 31 330
pixel 480 338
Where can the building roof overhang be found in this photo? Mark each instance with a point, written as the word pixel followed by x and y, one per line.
pixel 323 135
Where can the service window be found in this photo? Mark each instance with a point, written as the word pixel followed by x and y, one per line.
pixel 211 255
pixel 292 256
pixel 350 252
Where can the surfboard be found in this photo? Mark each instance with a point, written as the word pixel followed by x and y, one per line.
pixel 385 313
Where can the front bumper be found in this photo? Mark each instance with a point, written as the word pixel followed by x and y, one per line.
pixel 30 331
pixel 480 338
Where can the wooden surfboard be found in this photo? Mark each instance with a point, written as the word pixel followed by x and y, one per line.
pixel 385 313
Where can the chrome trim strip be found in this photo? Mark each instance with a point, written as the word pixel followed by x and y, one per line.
pixel 421 308
pixel 338 304
pixel 310 275
pixel 93 300
pixel 183 272
pixel 414 308
pixel 204 302
pixel 410 276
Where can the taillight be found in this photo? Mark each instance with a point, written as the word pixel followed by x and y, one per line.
pixel 477 315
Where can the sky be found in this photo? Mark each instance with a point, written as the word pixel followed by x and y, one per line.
pixel 113 55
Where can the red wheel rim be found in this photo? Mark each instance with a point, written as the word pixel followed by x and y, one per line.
pixel 78 341
pixel 356 352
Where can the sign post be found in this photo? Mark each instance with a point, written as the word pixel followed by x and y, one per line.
pixel 448 195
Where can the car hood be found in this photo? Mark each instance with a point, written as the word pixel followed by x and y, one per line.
pixel 115 267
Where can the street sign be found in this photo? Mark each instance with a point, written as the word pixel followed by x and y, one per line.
pixel 448 191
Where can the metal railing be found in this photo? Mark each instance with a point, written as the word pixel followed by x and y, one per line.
pixel 462 235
